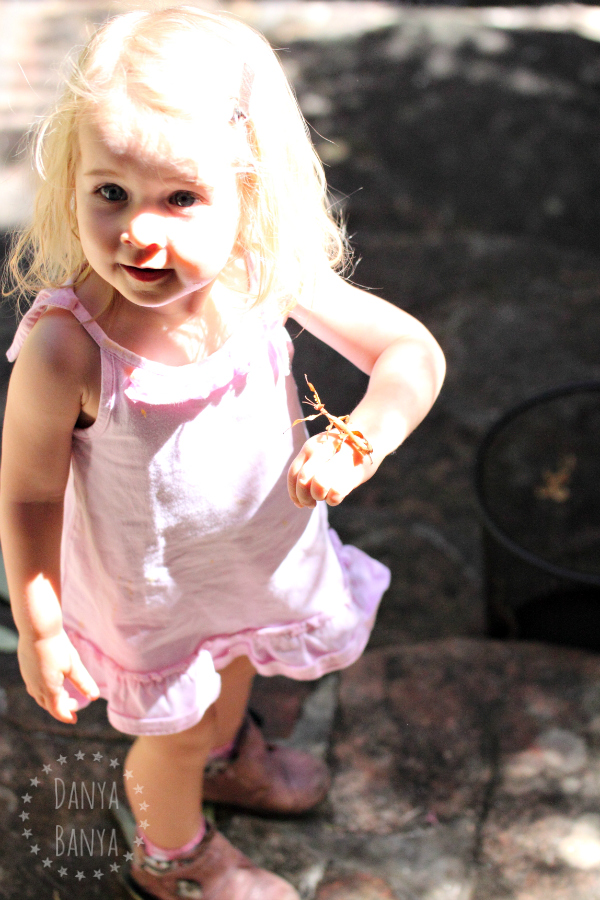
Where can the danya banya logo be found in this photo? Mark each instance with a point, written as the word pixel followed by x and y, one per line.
pixel 70 814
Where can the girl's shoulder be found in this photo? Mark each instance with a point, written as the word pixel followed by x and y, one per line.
pixel 52 385
pixel 51 334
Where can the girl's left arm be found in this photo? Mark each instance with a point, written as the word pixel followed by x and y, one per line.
pixel 406 368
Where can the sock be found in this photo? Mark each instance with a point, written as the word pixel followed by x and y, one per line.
pixel 223 752
pixel 162 854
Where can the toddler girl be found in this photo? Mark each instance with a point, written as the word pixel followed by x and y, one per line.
pixel 159 517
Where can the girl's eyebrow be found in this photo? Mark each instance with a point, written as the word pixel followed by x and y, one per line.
pixel 100 173
pixel 184 175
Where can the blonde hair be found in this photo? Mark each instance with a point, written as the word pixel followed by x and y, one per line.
pixel 286 226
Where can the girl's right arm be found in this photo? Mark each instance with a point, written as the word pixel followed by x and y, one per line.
pixel 45 398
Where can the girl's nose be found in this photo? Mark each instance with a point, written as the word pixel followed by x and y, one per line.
pixel 145 230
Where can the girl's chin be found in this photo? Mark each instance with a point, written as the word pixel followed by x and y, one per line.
pixel 172 295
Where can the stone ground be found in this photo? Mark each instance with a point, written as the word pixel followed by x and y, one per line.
pixel 462 146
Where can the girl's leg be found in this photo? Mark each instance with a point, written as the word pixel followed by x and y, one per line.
pixel 165 794
pixel 231 704
pixel 249 772
pixel 165 787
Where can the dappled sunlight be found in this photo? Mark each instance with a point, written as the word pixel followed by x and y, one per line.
pixel 316 20
pixel 580 847
pixel 565 17
pixel 465 43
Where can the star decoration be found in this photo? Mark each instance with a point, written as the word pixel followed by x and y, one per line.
pixel 35 848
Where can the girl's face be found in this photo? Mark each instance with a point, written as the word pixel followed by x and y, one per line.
pixel 156 222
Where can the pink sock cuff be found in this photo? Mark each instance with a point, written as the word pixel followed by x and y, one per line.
pixel 161 853
pixel 224 751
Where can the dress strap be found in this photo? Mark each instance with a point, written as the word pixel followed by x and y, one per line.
pixel 152 382
pixel 63 298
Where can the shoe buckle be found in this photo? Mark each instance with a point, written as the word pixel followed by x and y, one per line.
pixel 157 866
pixel 214 767
pixel 189 890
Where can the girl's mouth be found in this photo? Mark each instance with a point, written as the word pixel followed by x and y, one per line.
pixel 145 274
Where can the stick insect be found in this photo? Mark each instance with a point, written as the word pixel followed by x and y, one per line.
pixel 337 426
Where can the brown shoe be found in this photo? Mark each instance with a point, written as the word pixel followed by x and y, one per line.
pixel 215 870
pixel 264 777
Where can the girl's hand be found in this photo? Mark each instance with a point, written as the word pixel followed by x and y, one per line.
pixel 45 663
pixel 319 473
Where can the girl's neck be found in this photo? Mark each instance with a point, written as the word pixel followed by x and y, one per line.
pixel 176 334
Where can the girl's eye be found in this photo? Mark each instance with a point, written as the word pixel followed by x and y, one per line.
pixel 112 192
pixel 183 198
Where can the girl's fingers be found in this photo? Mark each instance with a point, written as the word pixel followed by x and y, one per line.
pixel 80 678
pixel 57 702
pixel 45 664
pixel 308 477
pixel 313 486
pixel 324 470
pixel 299 480
pixel 311 483
pixel 318 487
pixel 64 707
pixel 292 477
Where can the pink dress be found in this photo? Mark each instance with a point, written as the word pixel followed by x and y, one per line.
pixel 181 548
